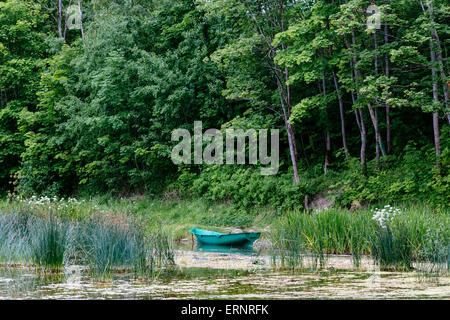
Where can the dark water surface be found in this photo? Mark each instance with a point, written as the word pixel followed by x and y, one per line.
pixel 224 273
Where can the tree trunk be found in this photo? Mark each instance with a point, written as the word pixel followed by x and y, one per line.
pixel 290 130
pixel 374 113
pixel 81 19
pixel 341 112
pixel 327 131
pixel 438 58
pixel 437 144
pixel 388 107
pixel 359 112
pixel 283 88
pixel 442 73
pixel 363 139
pixel 60 17
pixel 291 141
pixel 377 133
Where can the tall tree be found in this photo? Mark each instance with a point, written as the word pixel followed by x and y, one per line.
pixel 22 59
pixel 259 22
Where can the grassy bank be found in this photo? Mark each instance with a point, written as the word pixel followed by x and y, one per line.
pixel 175 216
pixel 395 236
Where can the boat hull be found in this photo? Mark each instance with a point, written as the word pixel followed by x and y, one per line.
pixel 232 239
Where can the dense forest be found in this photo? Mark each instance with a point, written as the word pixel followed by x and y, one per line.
pixel 363 110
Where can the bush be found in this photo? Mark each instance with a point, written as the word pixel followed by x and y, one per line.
pixel 411 177
pixel 247 188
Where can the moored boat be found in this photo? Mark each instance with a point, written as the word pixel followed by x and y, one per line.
pixel 216 238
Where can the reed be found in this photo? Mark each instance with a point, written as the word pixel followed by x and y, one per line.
pixel 392 248
pixel 14 246
pixel 49 240
pixel 160 250
pixel 393 236
pixel 435 253
pixel 118 243
pixel 106 243
pixel 316 235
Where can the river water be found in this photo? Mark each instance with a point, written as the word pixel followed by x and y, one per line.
pixel 210 273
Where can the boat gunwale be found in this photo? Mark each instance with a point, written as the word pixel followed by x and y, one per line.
pixel 232 234
pixel 219 235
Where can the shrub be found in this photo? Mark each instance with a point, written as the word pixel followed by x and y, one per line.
pixel 247 188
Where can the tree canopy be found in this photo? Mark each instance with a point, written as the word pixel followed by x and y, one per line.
pixel 92 109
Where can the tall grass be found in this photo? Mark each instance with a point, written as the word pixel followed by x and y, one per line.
pixel 335 231
pixel 14 244
pixel 49 240
pixel 392 248
pixel 435 253
pixel 116 242
pixel 331 231
pixel 160 251
pixel 104 243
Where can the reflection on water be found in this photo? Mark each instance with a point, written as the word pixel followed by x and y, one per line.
pixel 246 250
pixel 204 274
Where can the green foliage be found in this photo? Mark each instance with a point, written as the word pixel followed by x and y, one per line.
pixel 331 231
pixel 231 217
pixel 392 248
pixel 109 103
pixel 49 241
pixel 94 114
pixel 52 239
pixel 22 53
pixel 246 188
pixel 406 179
pixel 413 235
pixel 411 177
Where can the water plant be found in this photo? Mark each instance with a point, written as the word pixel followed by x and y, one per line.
pixel 289 248
pixel 391 248
pixel 14 246
pixel 332 231
pixel 117 242
pixel 394 236
pixel 104 242
pixel 384 216
pixel 110 245
pixel 49 240
pixel 434 257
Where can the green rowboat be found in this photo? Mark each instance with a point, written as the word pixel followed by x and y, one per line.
pixel 216 238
